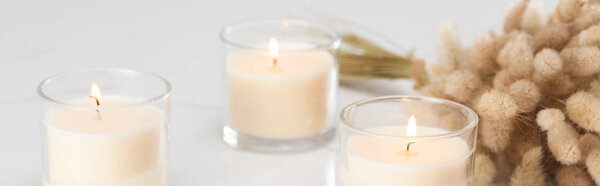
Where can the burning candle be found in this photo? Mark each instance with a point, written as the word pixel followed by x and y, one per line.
pixel 279 97
pixel 386 154
pixel 283 94
pixel 100 140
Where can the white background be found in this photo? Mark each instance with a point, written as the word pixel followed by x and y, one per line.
pixel 178 39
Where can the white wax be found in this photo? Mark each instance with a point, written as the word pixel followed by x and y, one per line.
pixel 373 161
pixel 124 148
pixel 286 100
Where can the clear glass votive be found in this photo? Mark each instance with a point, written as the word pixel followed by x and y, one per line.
pixel 105 127
pixel 407 140
pixel 281 78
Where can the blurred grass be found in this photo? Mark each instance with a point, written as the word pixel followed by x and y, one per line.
pixel 361 58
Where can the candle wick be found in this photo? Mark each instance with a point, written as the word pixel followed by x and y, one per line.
pixel 99 116
pixel 97 105
pixel 274 61
pixel 408 146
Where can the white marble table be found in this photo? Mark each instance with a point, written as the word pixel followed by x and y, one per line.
pixel 178 39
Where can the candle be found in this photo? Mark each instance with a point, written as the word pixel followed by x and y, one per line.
pixel 111 147
pixel 385 162
pixel 377 152
pixel 280 82
pixel 117 139
pixel 280 96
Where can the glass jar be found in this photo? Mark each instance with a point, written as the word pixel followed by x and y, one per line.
pixel 281 78
pixel 105 127
pixel 407 140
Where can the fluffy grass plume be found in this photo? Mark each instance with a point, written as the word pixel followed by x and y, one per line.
pixel 531 170
pixel 535 84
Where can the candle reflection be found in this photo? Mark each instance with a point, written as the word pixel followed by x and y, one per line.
pixel 316 168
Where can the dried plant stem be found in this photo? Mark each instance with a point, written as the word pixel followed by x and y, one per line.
pixel 367 60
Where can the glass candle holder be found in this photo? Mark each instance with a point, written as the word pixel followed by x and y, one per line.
pixel 281 77
pixel 405 140
pixel 105 127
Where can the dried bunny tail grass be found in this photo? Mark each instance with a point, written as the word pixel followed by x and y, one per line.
pixel 524 137
pixel 435 69
pixel 503 79
pixel 573 175
pixel 564 144
pixel 554 36
pixel 590 36
pixel 482 56
pixel 433 90
pixel 505 167
pixel 562 138
pixel 462 85
pixel 526 95
pixel 550 117
pixel 500 41
pixel 513 19
pixel 449 47
pixel 587 19
pixel 485 170
pixel 418 73
pixel 531 170
pixel 592 162
pixel 534 17
pixel 547 63
pixel 594 88
pixel 568 10
pixel 437 79
pixel 573 42
pixel 589 142
pixel 512 47
pixel 524 69
pixel 584 109
pixel 496 105
pixel 582 61
pixel 452 121
pixel 517 55
pixel 495 134
pixel 551 102
pixel 584 81
pixel 560 85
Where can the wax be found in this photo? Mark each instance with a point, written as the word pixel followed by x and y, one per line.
pixel 124 148
pixel 372 161
pixel 283 100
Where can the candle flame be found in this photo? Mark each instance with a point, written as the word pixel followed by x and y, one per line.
pixel 96 95
pixel 273 48
pixel 411 129
pixel 95 91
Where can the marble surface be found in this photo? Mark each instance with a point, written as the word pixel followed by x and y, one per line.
pixel 178 40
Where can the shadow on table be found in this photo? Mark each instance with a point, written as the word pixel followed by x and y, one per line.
pixel 315 168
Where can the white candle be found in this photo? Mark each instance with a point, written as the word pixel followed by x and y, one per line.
pixel 117 147
pixel 280 96
pixel 371 161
